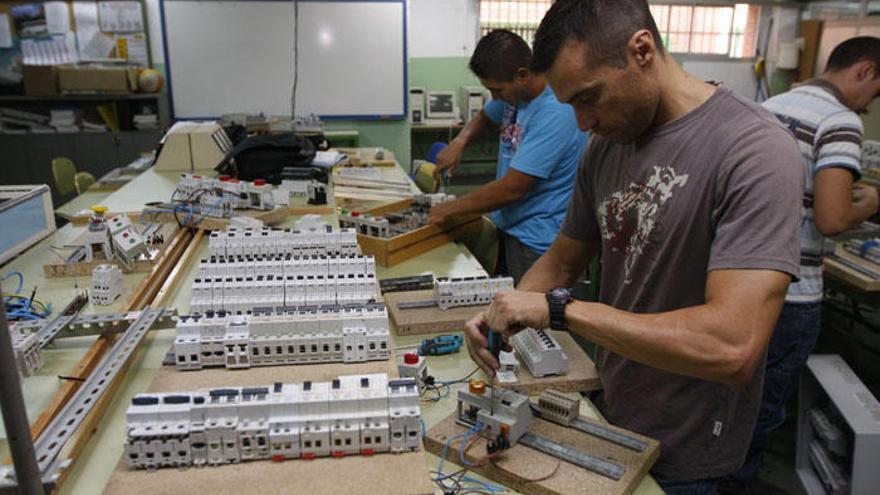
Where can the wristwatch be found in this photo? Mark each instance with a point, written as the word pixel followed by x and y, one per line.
pixel 557 300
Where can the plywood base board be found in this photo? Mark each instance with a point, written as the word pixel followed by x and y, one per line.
pixel 526 462
pixel 426 320
pixel 378 474
pixel 83 269
pixel 581 376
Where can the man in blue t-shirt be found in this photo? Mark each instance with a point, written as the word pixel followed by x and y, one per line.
pixel 540 149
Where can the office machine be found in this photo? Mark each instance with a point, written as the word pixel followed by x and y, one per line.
pixel 416 105
pixel 473 98
pixel 26 217
pixel 193 146
pixel 440 105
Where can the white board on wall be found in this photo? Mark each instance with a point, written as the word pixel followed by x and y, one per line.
pixel 238 56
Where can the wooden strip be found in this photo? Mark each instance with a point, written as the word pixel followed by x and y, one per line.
pixel 413 250
pixel 368 195
pixel 428 231
pixel 162 282
pixel 398 205
pixel 144 293
pixel 341 180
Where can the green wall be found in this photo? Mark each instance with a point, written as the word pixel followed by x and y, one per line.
pixel 872 122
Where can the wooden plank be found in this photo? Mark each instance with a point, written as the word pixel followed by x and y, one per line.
pixel 393 185
pixel 426 320
pixel 379 474
pixel 411 251
pixel 398 205
pixel 212 223
pixel 167 275
pixel 142 296
pixel 368 195
pixel 428 231
pixel 521 463
pixel 161 282
pixel 582 374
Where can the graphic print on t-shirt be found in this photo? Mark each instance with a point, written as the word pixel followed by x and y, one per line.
pixel 628 216
pixel 511 132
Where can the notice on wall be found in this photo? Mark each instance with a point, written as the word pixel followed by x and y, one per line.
pixel 59 49
pixel 121 17
pixel 99 47
pixel 57 17
pixel 5 32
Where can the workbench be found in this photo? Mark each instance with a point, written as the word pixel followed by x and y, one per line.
pixel 97 461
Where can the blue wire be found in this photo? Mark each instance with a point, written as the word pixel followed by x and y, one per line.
pixel 20 280
pixel 424 430
pixel 487 486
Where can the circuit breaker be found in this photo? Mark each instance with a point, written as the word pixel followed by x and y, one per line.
pixel 540 351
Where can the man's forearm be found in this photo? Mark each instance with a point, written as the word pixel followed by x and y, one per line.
pixel 490 197
pixel 689 341
pixel 547 273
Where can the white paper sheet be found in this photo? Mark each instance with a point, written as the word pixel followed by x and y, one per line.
pixel 57 17
pixel 86 16
pixel 5 32
pixel 121 17
pixel 98 47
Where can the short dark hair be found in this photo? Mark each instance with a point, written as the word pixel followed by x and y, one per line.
pixel 604 26
pixel 499 55
pixel 853 51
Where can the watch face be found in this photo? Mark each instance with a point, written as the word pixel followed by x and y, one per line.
pixel 559 293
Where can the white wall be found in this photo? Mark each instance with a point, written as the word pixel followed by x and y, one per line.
pixel 154 22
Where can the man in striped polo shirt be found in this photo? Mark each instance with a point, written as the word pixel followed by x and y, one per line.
pixel 822 114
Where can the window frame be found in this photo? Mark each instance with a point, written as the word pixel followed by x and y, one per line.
pixel 714 57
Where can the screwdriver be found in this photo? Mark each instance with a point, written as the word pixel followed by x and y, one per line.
pixel 496 343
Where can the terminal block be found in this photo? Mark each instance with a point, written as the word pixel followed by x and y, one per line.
pixel 468 291
pixel 277 242
pixel 291 335
pixel 502 413
pixel 558 408
pixel 352 414
pixel 540 351
pixel 242 283
pixel 106 284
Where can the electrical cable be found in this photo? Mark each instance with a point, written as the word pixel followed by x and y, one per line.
pixel 20 280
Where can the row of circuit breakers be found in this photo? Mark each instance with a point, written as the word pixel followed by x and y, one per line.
pixel 241 284
pixel 353 414
pixel 274 242
pixel 266 337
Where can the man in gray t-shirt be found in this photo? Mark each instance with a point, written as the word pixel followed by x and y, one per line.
pixel 693 196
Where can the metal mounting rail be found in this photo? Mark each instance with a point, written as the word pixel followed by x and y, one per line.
pixel 98 323
pixel 600 466
pixel 428 303
pixel 59 431
pixel 610 435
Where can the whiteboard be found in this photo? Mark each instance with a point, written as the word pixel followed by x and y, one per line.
pixel 238 56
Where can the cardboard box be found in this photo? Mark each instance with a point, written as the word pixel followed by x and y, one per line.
pixel 90 79
pixel 40 80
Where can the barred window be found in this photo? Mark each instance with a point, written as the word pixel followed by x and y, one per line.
pixel 703 29
pixel 727 30
pixel 520 16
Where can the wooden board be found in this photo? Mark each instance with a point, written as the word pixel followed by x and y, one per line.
pixel 83 269
pixel 526 462
pixel 389 252
pixel 378 474
pixel 212 223
pixel 850 276
pixel 582 374
pixel 426 320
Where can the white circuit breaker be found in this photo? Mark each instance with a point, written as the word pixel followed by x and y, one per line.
pixel 243 283
pixel 540 351
pixel 468 291
pixel 28 354
pixel 301 335
pixel 106 284
pixel 274 242
pixel 352 414
pixel 219 196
